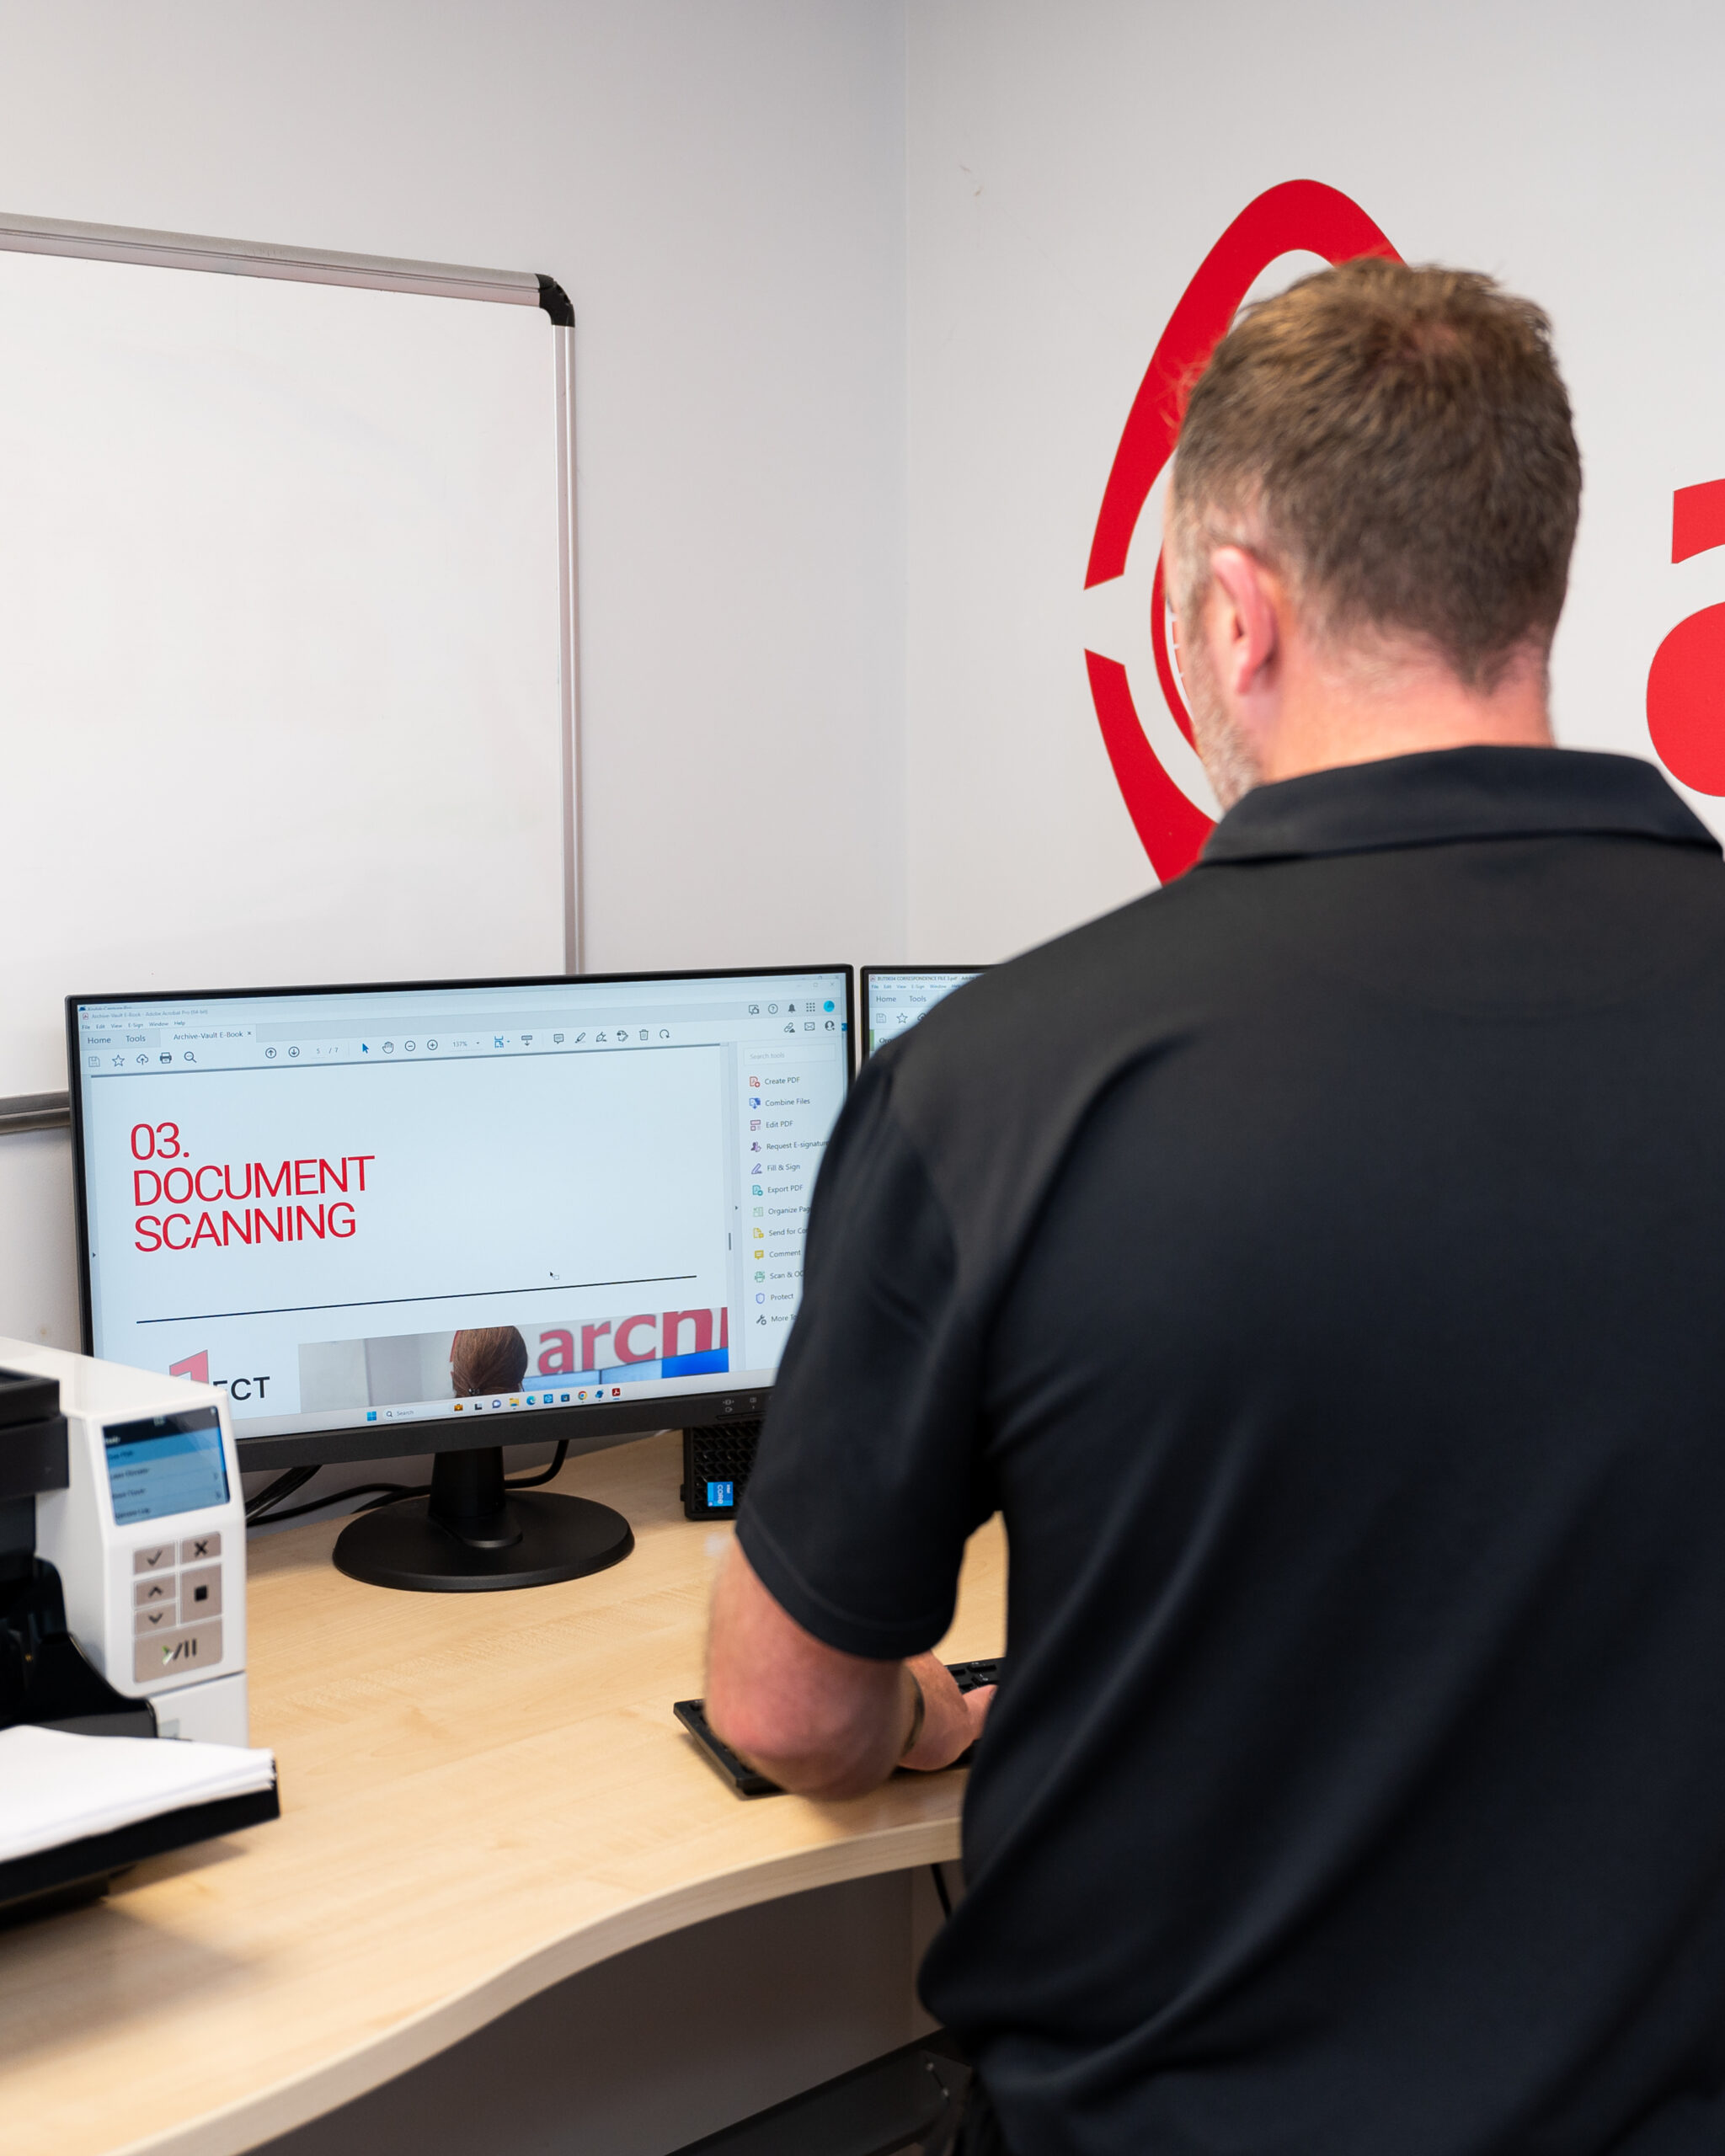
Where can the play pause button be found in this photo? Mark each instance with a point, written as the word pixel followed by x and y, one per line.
pixel 185 1652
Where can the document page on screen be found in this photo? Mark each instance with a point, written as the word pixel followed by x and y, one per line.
pixel 385 1207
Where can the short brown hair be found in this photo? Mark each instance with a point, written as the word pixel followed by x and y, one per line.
pixel 1396 442
pixel 487 1358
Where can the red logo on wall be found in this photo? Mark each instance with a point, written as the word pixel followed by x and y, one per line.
pixel 1685 693
pixel 1300 214
pixel 1686 680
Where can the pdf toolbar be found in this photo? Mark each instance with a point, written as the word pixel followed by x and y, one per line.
pixel 117 1038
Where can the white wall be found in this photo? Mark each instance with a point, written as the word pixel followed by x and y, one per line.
pixel 718 184
pixel 1069 167
pixel 849 383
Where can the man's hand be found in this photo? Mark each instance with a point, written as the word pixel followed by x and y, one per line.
pixel 952 1719
pixel 812 1719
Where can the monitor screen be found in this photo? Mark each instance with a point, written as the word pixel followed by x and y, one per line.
pixel 894 997
pixel 363 1211
pixel 165 1464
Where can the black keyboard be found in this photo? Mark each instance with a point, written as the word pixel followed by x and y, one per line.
pixel 970 1677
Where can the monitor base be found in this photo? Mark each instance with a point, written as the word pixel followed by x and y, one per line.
pixel 473 1535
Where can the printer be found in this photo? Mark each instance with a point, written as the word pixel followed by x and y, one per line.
pixel 122 1550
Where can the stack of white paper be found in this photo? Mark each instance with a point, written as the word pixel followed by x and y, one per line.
pixel 56 1787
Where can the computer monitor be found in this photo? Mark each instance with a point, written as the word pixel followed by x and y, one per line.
pixel 894 997
pixel 437 1217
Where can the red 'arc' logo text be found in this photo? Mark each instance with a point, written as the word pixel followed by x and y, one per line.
pixel 1685 707
pixel 1300 214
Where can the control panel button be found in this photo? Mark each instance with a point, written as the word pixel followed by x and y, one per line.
pixel 147 1592
pixel 183 1653
pixel 200 1595
pixel 200 1549
pixel 162 1619
pixel 155 1557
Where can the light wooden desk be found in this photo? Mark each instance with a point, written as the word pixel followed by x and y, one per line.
pixel 481 1794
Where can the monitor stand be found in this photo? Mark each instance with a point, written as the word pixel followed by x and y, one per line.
pixel 473 1535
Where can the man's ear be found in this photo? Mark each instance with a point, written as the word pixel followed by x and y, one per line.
pixel 1246 625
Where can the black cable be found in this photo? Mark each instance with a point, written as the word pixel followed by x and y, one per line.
pixel 533 1481
pixel 284 1486
pixel 390 1491
pixel 940 1888
pixel 388 1494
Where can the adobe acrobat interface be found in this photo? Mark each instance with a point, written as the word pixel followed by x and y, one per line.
pixel 896 1001
pixel 378 1207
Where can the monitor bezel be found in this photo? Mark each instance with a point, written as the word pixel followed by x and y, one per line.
pixel 867 974
pixel 600 1422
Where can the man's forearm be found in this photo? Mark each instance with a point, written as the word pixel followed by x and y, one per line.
pixel 811 1719
pixel 823 1755
pixel 816 1720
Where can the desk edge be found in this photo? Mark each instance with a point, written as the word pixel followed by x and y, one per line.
pixel 295 2101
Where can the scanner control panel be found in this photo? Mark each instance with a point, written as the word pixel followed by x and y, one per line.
pixel 177 1607
pixel 167 1501
pixel 149 1538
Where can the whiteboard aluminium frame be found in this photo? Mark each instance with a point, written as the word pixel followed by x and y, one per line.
pixel 234 258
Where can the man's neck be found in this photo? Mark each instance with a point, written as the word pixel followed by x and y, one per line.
pixel 1398 705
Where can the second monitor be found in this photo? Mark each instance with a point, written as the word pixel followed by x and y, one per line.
pixel 894 997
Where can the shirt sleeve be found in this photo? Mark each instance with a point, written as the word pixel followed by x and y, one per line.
pixel 867 1482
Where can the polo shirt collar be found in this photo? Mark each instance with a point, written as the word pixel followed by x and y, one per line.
pixel 1447 795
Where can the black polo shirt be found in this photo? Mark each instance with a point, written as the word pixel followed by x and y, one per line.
pixel 1321 1264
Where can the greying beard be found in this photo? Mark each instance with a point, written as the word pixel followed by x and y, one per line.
pixel 1230 763
pixel 1230 760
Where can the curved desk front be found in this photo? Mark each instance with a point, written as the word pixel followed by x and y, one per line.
pixel 481 1795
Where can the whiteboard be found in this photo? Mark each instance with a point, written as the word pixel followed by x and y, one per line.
pixel 284 637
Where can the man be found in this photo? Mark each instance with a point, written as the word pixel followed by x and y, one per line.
pixel 1318 1263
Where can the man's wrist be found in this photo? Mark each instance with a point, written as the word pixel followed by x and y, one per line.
pixel 918 1713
